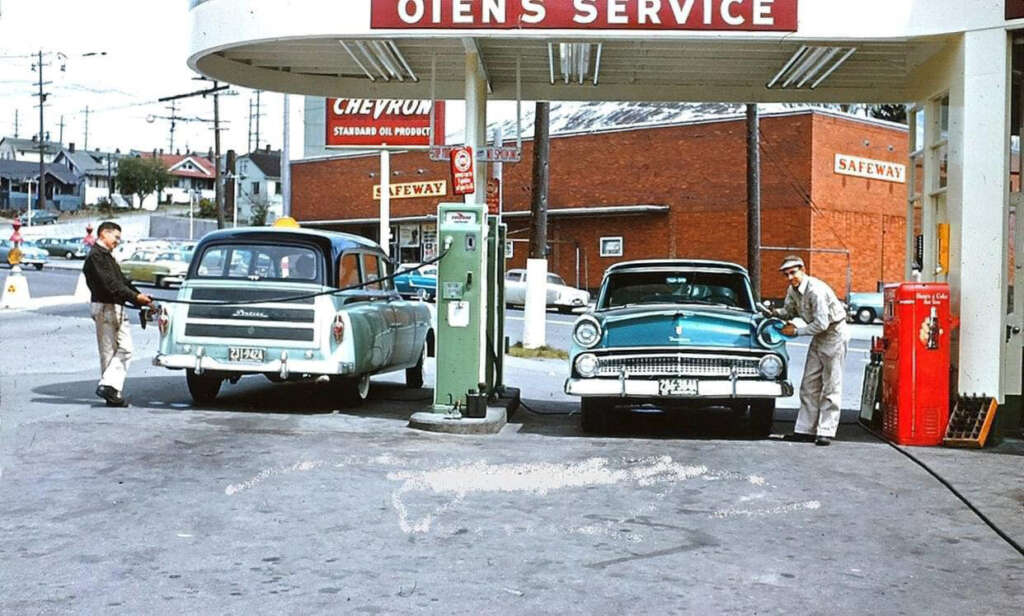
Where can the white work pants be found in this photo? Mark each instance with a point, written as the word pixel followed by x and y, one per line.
pixel 821 390
pixel 114 338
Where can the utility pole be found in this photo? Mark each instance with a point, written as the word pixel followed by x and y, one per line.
pixel 229 186
pixel 15 123
pixel 753 201
pixel 110 183
pixel 248 147
pixel 61 133
pixel 258 119
pixel 535 311
pixel 218 189
pixel 42 142
pixel 85 145
pixel 174 117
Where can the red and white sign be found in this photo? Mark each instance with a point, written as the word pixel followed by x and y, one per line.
pixel 493 196
pixel 870 168
pixel 741 15
pixel 364 122
pixel 462 171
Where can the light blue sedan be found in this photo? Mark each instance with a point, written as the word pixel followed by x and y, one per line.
pixel 31 254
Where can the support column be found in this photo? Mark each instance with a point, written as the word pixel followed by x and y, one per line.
pixel 476 137
pixel 977 201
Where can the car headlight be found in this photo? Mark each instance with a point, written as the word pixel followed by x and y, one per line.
pixel 587 332
pixel 586 364
pixel 770 366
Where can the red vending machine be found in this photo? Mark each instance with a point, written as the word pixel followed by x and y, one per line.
pixel 915 373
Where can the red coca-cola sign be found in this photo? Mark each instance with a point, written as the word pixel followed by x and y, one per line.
pixel 364 122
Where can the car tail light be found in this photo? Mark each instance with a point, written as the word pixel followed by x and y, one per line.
pixel 163 320
pixel 338 328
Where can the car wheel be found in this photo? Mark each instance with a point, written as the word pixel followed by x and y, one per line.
pixel 762 416
pixel 158 281
pixel 352 390
pixel 203 388
pixel 595 415
pixel 422 295
pixel 866 316
pixel 414 375
pixel 69 255
pixel 38 266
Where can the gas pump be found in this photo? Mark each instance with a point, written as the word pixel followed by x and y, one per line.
pixel 461 304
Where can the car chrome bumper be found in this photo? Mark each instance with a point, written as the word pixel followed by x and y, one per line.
pixel 706 388
pixel 279 366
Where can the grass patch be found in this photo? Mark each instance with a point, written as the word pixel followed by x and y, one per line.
pixel 545 352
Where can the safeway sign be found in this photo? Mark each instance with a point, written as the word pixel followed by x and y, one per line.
pixel 870 168
pixel 741 15
pixel 363 122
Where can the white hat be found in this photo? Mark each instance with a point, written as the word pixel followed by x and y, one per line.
pixel 791 261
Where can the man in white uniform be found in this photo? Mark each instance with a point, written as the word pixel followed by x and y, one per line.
pixel 824 318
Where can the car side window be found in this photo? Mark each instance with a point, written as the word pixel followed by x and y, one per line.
pixel 348 270
pixel 371 272
pixel 513 276
pixel 212 263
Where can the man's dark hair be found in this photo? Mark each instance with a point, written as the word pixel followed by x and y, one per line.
pixel 108 226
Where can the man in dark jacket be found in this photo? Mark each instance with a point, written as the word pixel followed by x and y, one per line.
pixel 110 291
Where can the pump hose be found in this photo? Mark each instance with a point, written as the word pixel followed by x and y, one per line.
pixel 293 298
pixel 949 487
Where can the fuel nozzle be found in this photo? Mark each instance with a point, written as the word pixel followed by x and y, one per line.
pixel 146 314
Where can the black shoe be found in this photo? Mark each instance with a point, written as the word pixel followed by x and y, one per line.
pixel 119 401
pixel 108 393
pixel 823 441
pixel 798 437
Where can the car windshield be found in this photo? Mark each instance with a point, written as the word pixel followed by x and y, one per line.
pixel 555 279
pixel 675 287
pixel 260 262
pixel 171 256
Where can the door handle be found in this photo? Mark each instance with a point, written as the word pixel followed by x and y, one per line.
pixel 1011 330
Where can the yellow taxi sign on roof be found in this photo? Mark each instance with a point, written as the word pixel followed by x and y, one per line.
pixel 287 221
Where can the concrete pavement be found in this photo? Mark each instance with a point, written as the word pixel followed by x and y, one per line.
pixel 275 499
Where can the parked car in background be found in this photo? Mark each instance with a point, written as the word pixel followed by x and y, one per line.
pixel 677 334
pixel 347 335
pixel 420 283
pixel 864 307
pixel 160 269
pixel 559 295
pixel 67 247
pixel 31 254
pixel 39 217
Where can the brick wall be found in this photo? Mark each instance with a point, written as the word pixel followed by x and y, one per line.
pixel 698 170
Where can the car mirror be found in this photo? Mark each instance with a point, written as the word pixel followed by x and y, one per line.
pixel 765 308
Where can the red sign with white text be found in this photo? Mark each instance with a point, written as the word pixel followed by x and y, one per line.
pixel 363 122
pixel 740 15
pixel 493 196
pixel 462 171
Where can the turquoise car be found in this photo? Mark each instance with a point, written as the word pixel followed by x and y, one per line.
pixel 261 317
pixel 419 283
pixel 864 308
pixel 677 334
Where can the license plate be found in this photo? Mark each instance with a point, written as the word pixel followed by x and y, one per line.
pixel 677 387
pixel 245 354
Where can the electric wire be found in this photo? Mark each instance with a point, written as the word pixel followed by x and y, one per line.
pixel 949 486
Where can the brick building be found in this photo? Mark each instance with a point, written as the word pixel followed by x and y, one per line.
pixel 662 191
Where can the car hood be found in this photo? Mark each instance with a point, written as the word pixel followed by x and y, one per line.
pixel 682 326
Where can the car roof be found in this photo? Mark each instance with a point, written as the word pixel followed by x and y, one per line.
pixel 335 242
pixel 649 264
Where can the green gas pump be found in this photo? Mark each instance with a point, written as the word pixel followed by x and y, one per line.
pixel 462 351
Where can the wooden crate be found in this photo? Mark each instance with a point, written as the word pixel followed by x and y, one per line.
pixel 970 421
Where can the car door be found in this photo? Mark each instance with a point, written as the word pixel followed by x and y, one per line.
pixel 129 265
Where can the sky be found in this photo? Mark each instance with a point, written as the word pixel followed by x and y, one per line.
pixel 146 45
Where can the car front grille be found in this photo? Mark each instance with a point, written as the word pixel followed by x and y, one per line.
pixel 676 364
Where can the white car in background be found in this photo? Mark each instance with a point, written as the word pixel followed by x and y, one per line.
pixel 559 295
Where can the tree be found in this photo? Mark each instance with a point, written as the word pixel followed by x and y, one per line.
pixel 142 176
pixel 892 113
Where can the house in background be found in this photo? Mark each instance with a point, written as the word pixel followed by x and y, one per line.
pixel 259 184
pixel 96 170
pixel 18 177
pixel 192 175
pixel 12 148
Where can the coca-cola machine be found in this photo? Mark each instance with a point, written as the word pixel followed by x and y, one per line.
pixel 915 375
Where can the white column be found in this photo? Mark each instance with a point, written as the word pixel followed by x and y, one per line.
pixel 476 137
pixel 977 201
pixel 286 162
pixel 385 200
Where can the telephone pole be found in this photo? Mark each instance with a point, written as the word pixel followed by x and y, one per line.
pixel 258 114
pixel 753 201
pixel 174 117
pixel 42 147
pixel 61 133
pixel 218 189
pixel 85 145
